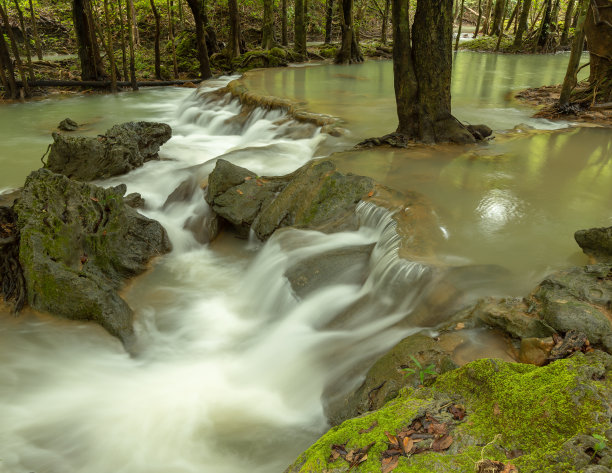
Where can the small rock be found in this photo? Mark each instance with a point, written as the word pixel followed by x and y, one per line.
pixel 68 125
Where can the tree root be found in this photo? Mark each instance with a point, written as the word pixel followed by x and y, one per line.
pixel 12 282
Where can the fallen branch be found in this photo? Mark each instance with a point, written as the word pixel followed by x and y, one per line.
pixel 602 106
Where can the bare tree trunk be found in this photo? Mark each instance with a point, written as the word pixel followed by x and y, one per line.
pixel 234 40
pixel 267 41
pixel 111 49
pixel 284 39
pixel 479 19
pixel 124 53
pixel 39 52
pixel 498 14
pixel 197 8
pixel 385 22
pixel 572 67
pixel 513 15
pixel 487 18
pixel 89 54
pixel 299 41
pixel 501 27
pixel 157 35
pixel 11 36
pixel 128 8
pixel 349 52
pixel 135 33
pixel 8 78
pixel 329 14
pixel 598 31
pixel 522 24
pixel 460 24
pixel 171 34
pixel 26 40
pixel 567 22
pixel 544 31
pixel 181 15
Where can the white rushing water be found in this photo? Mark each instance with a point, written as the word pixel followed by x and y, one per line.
pixel 231 364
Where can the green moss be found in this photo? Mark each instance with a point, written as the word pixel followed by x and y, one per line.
pixel 489 44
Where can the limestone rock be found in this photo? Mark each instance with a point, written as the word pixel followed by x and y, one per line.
pixel 67 124
pixel 596 242
pixel 123 148
pixel 79 243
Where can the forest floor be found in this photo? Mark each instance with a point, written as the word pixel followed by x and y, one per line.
pixel 546 99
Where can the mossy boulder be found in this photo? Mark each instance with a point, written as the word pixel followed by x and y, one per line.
pixel 541 416
pixel 316 196
pixel 79 244
pixel 123 148
pixel 596 242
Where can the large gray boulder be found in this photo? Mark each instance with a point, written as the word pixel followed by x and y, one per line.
pixel 79 244
pixel 123 148
pixel 315 196
pixel 596 242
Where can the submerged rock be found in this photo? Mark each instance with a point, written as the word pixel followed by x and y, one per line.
pixel 123 148
pixel 67 124
pixel 79 244
pixel 535 418
pixel 316 196
pixel 596 242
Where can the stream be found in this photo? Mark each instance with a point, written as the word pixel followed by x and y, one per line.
pixel 231 366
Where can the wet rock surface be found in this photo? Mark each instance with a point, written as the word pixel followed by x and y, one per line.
pixel 316 196
pixel 123 148
pixel 79 244
pixel 596 242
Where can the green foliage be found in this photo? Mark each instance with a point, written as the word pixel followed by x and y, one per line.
pixel 419 371
pixel 601 443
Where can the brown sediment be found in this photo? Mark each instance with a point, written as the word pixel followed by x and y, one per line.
pixel 546 98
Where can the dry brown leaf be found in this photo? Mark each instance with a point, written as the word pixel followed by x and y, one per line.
pixel 407 444
pixel 460 326
pixel 442 443
pixel 239 191
pixel 248 178
pixel 389 464
pixel 458 411
pixel 370 194
pixel 496 409
pixel 392 439
pixel 94 199
pixel 437 428
pixel 509 468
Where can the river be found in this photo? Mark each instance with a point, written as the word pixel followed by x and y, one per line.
pixel 230 366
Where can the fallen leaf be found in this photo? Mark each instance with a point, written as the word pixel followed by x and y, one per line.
pixel 389 464
pixel 407 444
pixel 496 409
pixel 370 194
pixel 442 443
pixel 392 439
pixel 94 199
pixel 458 411
pixel 334 456
pixel 339 448
pixel 239 191
pixel 437 428
pixel 512 454
pixel 369 429
pixel 460 326
pixel 248 178
pixel 509 468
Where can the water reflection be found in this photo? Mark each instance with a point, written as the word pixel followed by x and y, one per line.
pixel 497 208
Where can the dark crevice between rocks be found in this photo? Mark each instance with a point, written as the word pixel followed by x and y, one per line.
pixel 12 283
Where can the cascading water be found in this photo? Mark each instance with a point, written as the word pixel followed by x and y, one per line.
pixel 231 361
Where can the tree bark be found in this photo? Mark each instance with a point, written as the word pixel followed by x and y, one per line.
pixel 501 26
pixel 39 52
pixel 267 41
pixel 197 7
pixel 544 31
pixel 124 52
pixel 513 15
pixel 567 22
pixel 479 19
pixel 487 18
pixel 422 64
pixel 171 35
pixel 26 40
pixel 349 52
pixel 8 77
pixel 329 15
pixel 89 54
pixel 522 24
pixel 284 38
pixel 156 43
pixel 598 31
pixel 299 41
pixel 498 13
pixel 460 25
pixel 134 23
pixel 16 56
pixel 111 50
pixel 234 25
pixel 572 67
pixel 128 5
pixel 385 22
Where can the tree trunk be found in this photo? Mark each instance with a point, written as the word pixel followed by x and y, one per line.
pixel 498 14
pixel 385 22
pixel 197 8
pixel 89 54
pixel 460 25
pixel 422 73
pixel 135 33
pixel 111 49
pixel 479 19
pixel 171 35
pixel 299 41
pixel 39 52
pixel 8 78
pixel 181 15
pixel 267 41
pixel 501 26
pixel 157 35
pixel 598 31
pixel 234 39
pixel 329 14
pixel 567 22
pixel 26 40
pixel 522 24
pixel 544 31
pixel 487 18
pixel 284 39
pixel 122 35
pixel 513 15
pixel 128 8
pixel 16 55
pixel 572 67
pixel 349 52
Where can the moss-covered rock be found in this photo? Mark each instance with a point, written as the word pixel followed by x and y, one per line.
pixel 535 413
pixel 596 242
pixel 123 148
pixel 79 243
